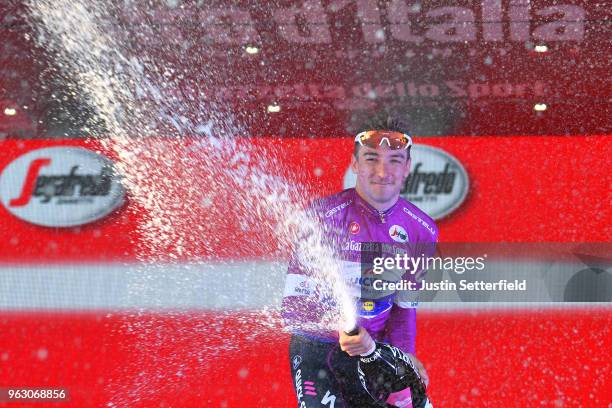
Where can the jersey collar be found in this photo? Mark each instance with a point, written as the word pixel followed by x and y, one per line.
pixel 366 207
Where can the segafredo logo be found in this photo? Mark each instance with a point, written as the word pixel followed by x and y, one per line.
pixel 437 183
pixel 398 234
pixel 60 187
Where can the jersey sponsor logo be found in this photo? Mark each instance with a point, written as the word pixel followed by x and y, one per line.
pixel 309 388
pixel 330 399
pixel 301 290
pixel 299 285
pixel 337 208
pixel 398 234
pixel 354 227
pixel 297 360
pixel 298 387
pixel 351 246
pixel 437 184
pixel 364 281
pixel 420 221
pixel 371 309
pixel 304 284
pixel 383 249
pixel 368 306
pixel 304 288
pixel 60 187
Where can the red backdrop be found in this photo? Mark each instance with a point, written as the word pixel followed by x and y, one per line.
pixel 523 189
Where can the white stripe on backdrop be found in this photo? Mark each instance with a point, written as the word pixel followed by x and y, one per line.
pixel 233 285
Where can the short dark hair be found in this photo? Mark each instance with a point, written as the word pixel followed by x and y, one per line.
pixel 383 122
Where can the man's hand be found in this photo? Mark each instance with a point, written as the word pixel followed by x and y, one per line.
pixel 421 369
pixel 358 344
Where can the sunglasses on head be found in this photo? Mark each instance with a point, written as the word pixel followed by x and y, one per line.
pixel 375 138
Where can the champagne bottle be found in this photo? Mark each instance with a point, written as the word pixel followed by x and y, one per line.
pixel 387 370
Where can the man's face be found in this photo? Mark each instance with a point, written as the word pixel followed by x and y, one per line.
pixel 380 172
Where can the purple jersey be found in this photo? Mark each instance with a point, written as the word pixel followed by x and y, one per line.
pixel 350 221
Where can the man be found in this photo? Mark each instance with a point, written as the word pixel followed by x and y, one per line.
pixel 323 363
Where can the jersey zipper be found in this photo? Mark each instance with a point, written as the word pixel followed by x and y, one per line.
pixel 382 217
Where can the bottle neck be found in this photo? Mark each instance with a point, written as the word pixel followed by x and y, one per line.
pixel 355 331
